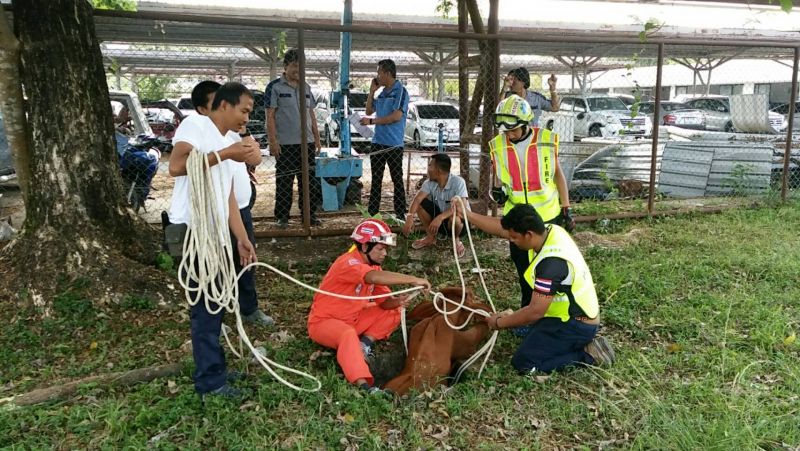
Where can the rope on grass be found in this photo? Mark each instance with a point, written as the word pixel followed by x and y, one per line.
pixel 207 266
pixel 440 302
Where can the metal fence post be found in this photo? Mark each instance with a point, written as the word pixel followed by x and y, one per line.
pixel 654 133
pixel 301 104
pixel 792 105
pixel 463 90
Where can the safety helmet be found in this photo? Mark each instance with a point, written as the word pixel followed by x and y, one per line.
pixel 374 231
pixel 513 112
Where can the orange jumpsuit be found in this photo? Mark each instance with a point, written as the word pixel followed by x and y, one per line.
pixel 337 323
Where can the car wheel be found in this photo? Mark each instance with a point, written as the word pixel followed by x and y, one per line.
pixel 417 140
pixel 729 127
pixel 549 125
pixel 594 131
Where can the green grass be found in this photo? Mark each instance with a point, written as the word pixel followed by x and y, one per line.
pixel 698 307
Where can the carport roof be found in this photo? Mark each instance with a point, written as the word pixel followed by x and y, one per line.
pixel 238 27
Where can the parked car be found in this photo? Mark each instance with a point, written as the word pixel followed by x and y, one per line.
pixel 648 108
pixel 715 114
pixel 627 99
pixel 257 123
pixel 329 128
pixel 424 118
pixel 163 117
pixel 601 115
pixel 328 131
pixel 186 106
pixel 783 110
pixel 129 114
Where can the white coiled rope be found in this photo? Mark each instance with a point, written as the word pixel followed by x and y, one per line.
pixel 440 302
pixel 208 262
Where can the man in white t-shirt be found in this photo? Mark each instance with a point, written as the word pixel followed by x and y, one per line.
pixel 432 204
pixel 231 108
pixel 202 98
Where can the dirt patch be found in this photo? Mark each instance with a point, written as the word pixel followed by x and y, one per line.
pixel 615 241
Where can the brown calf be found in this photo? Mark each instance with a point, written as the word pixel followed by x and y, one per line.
pixel 434 346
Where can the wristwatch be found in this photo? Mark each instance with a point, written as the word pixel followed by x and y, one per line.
pixel 371 121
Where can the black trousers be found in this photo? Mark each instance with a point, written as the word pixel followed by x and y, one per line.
pixel 288 165
pixel 248 298
pixel 552 345
pixel 394 157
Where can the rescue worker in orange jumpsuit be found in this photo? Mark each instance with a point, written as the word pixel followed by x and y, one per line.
pixel 353 326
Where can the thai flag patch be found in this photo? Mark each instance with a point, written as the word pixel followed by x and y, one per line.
pixel 543 285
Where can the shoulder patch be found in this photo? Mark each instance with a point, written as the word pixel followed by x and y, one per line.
pixel 543 285
pixel 353 262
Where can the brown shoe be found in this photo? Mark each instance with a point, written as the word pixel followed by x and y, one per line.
pixel 601 351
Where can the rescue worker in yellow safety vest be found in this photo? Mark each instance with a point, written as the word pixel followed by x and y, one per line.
pixel 527 171
pixel 563 314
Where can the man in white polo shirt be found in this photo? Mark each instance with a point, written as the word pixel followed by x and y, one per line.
pixel 248 297
pixel 230 110
pixel 432 204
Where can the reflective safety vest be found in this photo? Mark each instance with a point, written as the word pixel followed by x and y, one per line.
pixel 534 182
pixel 560 244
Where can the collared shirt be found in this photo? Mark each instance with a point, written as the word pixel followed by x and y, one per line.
pixel 389 100
pixel 282 96
pixel 441 196
pixel 538 103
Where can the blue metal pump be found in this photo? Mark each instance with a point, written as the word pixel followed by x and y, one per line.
pixel 336 173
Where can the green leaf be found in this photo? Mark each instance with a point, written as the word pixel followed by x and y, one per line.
pixel 122 5
pixel 786 5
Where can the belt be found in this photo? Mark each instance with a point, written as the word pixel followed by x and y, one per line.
pixel 587 320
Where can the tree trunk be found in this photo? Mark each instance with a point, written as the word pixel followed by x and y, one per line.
pixel 77 223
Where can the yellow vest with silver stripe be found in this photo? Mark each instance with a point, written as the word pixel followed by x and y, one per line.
pixel 534 182
pixel 560 244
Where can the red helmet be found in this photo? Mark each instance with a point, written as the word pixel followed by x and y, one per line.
pixel 374 231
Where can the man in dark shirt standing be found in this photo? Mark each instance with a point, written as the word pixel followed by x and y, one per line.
pixel 283 130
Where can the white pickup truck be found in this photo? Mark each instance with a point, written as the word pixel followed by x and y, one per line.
pixel 601 115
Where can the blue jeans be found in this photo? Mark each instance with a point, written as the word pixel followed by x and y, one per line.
pixel 248 298
pixel 553 345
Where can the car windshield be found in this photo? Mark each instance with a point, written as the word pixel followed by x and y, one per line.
pixel 185 104
pixel 159 114
pixel 357 100
pixel 437 112
pixel 605 103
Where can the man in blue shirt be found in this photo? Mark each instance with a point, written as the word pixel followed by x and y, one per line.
pixel 391 109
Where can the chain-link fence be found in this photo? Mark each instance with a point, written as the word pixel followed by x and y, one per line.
pixel 719 136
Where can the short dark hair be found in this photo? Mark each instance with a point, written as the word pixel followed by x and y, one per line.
pixel 442 161
pixel 230 92
pixel 291 56
pixel 523 219
pixel 387 65
pixel 522 75
pixel 201 91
